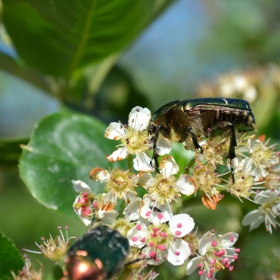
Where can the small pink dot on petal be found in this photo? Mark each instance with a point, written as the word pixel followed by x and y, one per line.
pixel 179 225
pixel 177 253
pixel 95 204
pixel 155 230
pixel 148 213
pixel 226 260
pixel 160 216
pixel 178 233
pixel 161 247
pixel 214 243
pixel 151 244
pixel 200 272
pixel 152 254
pixel 134 238
pixel 212 261
pixel 138 227
pixel 143 239
pixel 222 252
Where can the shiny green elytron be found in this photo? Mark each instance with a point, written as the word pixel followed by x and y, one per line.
pixel 98 255
pixel 198 117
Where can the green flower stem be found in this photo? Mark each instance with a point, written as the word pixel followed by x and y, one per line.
pixel 129 162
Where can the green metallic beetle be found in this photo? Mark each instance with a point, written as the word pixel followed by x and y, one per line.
pixel 97 255
pixel 201 117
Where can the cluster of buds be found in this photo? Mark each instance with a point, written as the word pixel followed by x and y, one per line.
pixel 28 272
pixel 54 249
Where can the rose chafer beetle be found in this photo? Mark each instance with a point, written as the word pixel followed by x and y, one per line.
pixel 198 117
pixel 99 254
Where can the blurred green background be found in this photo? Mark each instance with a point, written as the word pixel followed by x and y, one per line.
pixel 146 55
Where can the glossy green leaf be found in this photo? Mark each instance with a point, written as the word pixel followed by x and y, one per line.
pixel 64 147
pixel 10 258
pixel 10 151
pixel 58 37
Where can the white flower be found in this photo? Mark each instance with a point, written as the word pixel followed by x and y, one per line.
pixel 89 208
pixel 147 211
pixel 83 202
pixel 135 139
pixel 154 212
pixel 164 145
pixel 119 184
pixel 243 178
pixel 267 213
pixel 263 157
pixel 163 241
pixel 214 253
pixel 165 188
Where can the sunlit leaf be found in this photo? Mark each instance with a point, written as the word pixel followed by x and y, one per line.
pixel 57 37
pixel 64 147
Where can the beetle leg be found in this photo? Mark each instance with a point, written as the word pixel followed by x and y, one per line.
pixel 232 142
pixel 231 153
pixel 194 139
pixel 155 156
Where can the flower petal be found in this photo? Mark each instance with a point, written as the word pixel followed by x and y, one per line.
pixel 160 256
pixel 164 146
pixel 154 213
pixel 185 185
pixel 114 131
pixel 193 264
pixel 142 163
pixel 168 166
pixel 257 223
pixel 181 224
pixel 137 235
pixel 119 154
pixel 108 217
pixel 131 211
pixel 86 220
pixel 205 242
pixel 266 196
pixel 101 176
pixel 178 252
pixel 80 186
pixel 229 239
pixel 139 118
pixel 146 179
pixel 254 219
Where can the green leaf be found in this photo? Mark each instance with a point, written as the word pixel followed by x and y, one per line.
pixel 64 147
pixel 58 37
pixel 10 151
pixel 10 258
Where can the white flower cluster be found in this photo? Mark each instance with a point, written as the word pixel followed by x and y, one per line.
pixel 155 234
